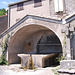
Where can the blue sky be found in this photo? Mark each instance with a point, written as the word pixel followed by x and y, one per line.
pixel 4 3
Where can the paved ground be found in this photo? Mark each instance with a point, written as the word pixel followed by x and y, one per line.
pixel 16 70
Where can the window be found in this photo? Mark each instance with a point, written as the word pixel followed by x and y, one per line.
pixel 37 3
pixel 19 6
pixel 58 5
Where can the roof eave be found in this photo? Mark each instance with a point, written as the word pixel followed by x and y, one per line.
pixel 18 2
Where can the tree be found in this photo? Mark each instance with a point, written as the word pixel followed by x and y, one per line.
pixel 3 12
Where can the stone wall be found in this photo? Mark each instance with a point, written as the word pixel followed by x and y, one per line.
pixel 45 10
pixel 3 23
pixel 68 5
pixel 27 44
pixel 29 9
pixel 73 45
pixel 25 36
pixel 3 27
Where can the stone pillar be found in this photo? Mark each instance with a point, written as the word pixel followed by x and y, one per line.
pixel 68 47
pixel 69 63
pixel 70 29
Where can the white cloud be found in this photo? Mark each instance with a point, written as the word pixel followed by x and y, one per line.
pixel 11 2
pixel 5 3
pixel 7 9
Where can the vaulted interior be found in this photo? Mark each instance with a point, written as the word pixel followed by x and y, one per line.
pixel 33 39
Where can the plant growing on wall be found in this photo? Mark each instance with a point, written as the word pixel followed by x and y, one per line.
pixel 56 70
pixel 60 59
pixel 4 48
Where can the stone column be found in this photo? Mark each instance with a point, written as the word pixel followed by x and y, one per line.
pixel 69 63
pixel 68 47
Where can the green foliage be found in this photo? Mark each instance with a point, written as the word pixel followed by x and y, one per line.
pixel 56 71
pixel 60 59
pixel 3 60
pixel 4 48
pixel 3 12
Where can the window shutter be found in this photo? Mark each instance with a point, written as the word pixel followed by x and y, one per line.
pixel 56 4
pixel 60 5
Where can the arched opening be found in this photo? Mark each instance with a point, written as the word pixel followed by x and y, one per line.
pixel 49 43
pixel 33 39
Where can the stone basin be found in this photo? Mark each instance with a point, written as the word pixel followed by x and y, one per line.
pixel 38 59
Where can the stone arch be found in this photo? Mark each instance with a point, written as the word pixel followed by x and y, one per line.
pixel 26 32
pixel 52 28
pixel 55 27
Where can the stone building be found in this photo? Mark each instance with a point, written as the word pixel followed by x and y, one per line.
pixel 3 23
pixel 41 27
pixel 3 27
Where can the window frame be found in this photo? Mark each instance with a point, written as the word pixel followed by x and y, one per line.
pixel 20 6
pixel 37 3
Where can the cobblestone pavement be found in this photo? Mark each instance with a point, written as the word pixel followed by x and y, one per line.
pixel 16 70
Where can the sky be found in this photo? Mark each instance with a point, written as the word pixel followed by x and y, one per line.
pixel 4 3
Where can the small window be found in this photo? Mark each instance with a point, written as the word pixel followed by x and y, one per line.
pixel 19 6
pixel 36 1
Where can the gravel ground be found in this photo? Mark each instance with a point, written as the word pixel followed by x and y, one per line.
pixel 16 70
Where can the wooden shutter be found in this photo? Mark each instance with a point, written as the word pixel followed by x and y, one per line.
pixel 56 4
pixel 60 5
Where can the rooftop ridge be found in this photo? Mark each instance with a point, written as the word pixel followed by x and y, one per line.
pixel 18 2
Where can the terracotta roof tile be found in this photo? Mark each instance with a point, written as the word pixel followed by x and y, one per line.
pixel 3 15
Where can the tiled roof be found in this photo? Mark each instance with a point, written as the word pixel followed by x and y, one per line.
pixel 2 18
